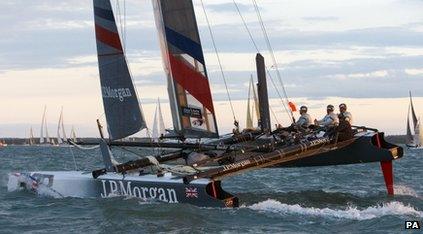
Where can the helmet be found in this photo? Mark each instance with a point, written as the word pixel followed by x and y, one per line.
pixel 330 108
pixel 303 108
pixel 342 106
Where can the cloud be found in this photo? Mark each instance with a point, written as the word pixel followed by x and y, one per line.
pixel 320 18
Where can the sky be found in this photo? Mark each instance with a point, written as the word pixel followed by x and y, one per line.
pixel 366 53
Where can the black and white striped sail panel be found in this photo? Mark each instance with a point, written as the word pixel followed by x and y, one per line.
pixel 123 112
pixel 188 86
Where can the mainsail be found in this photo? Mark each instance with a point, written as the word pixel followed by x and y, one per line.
pixel 123 112
pixel 188 86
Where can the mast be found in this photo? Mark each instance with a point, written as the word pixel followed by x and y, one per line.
pixel 188 86
pixel 120 100
pixel 262 94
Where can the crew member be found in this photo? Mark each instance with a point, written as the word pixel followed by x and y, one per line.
pixel 330 120
pixel 305 119
pixel 344 114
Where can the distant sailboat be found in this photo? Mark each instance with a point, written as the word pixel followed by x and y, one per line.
pixel 413 140
pixel 73 135
pixel 158 123
pixel 44 139
pixel 31 140
pixel 61 134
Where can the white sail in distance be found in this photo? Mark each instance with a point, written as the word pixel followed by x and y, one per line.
pixel 413 140
pixel 73 134
pixel 42 139
pixel 61 133
pixel 158 123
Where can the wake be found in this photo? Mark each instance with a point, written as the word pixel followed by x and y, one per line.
pixel 390 208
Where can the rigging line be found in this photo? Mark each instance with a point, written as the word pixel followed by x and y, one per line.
pixel 218 59
pixel 269 46
pixel 258 51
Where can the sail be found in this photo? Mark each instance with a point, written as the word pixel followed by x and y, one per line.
pixel 155 133
pixel 162 129
pixel 188 86
pixel 47 137
pixel 59 138
pixel 409 136
pixel 31 136
pixel 158 123
pixel 249 121
pixel 413 113
pixel 256 102
pixel 123 111
pixel 73 134
pixel 62 125
pixel 42 126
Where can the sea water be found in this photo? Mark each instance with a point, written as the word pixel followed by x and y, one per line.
pixel 348 198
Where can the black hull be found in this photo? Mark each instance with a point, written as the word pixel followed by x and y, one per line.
pixel 363 149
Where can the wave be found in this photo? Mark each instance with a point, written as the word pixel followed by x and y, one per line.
pixel 391 208
pixel 406 191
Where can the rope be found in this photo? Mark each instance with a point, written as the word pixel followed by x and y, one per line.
pixel 258 51
pixel 218 60
pixel 269 47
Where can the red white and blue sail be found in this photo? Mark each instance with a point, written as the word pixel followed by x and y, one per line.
pixel 188 85
pixel 122 109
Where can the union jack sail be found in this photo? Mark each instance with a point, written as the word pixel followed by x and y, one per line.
pixel 191 101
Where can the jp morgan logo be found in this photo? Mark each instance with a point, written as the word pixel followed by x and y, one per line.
pixel 120 93
pixel 125 188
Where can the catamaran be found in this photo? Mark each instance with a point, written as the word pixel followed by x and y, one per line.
pixel 206 157
pixel 413 141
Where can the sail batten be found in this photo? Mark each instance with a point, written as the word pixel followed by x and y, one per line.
pixel 188 85
pixel 122 109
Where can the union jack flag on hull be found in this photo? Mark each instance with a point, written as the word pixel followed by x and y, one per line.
pixel 191 192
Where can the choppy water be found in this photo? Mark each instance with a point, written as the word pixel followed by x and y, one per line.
pixel 328 199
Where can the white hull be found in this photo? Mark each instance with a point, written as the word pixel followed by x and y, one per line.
pixel 166 188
